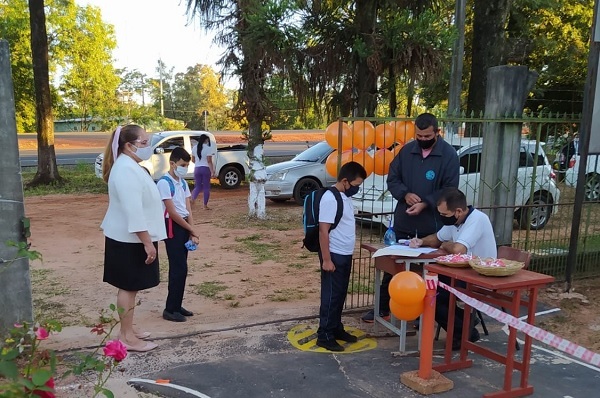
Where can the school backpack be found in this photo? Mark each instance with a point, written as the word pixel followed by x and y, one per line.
pixel 310 217
pixel 172 189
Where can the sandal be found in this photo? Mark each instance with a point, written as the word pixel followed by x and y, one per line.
pixel 142 335
pixel 146 347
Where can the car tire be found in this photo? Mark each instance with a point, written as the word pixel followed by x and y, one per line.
pixel 540 214
pixel 230 177
pixel 278 200
pixel 592 187
pixel 304 187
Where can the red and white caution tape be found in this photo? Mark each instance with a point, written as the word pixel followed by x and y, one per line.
pixel 539 334
pixel 431 281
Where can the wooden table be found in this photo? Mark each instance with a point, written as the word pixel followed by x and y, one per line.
pixel 393 265
pixel 499 291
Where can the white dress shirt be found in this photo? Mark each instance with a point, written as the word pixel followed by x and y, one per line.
pixel 134 204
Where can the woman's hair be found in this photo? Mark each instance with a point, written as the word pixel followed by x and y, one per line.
pixel 201 141
pixel 128 133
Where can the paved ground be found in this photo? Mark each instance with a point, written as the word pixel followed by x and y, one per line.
pixel 271 367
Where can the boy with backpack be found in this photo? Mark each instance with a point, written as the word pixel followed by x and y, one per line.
pixel 335 254
pixel 175 195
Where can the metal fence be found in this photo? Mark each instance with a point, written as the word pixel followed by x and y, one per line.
pixel 544 193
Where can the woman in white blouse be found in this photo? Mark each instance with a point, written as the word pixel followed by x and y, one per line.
pixel 133 225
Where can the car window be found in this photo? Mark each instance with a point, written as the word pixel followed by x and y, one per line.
pixel 314 153
pixel 525 159
pixel 171 143
pixel 471 162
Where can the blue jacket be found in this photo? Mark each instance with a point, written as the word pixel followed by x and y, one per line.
pixel 410 173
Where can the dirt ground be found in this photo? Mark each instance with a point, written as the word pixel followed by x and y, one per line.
pixel 244 272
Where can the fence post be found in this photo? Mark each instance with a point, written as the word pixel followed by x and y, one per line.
pixel 507 89
pixel 15 286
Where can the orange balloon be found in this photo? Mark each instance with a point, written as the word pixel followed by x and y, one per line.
pixel 407 312
pixel 384 135
pixel 332 133
pixel 382 160
pixel 407 288
pixel 404 130
pixel 363 134
pixel 331 164
pixel 364 159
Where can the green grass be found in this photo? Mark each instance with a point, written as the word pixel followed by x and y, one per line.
pixel 78 179
pixel 209 289
pixel 277 220
pixel 289 294
pixel 260 250
pixel 360 287
pixel 48 298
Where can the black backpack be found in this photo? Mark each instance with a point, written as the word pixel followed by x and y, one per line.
pixel 310 217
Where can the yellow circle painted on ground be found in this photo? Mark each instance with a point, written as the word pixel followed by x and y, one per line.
pixel 304 338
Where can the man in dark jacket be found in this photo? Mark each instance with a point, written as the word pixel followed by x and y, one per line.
pixel 422 169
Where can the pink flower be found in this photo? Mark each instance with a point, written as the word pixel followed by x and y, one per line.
pixel 115 349
pixel 46 394
pixel 18 325
pixel 41 333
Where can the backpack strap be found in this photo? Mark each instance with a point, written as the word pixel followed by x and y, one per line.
pixel 172 189
pixel 340 207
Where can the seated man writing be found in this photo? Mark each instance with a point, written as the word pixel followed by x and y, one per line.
pixel 466 230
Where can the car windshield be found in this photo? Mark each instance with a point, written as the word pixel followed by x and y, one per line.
pixel 314 153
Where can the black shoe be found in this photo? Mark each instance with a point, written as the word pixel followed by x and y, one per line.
pixel 330 345
pixel 345 336
pixel 369 317
pixel 185 312
pixel 173 316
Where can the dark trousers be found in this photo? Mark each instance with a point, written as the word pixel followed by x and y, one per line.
pixel 334 288
pixel 178 267
pixel 442 307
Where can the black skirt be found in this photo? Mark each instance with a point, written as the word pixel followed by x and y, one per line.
pixel 125 267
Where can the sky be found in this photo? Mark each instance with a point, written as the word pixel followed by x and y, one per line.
pixel 147 30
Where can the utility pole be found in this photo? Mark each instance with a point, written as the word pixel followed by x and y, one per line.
pixel 15 283
pixel 205 114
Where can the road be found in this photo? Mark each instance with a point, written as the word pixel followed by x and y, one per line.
pixel 70 156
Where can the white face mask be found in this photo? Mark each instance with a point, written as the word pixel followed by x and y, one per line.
pixel 143 153
pixel 181 171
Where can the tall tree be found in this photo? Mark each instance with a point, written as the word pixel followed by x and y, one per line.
pixel 260 38
pixel 488 47
pixel 47 170
pixel 90 82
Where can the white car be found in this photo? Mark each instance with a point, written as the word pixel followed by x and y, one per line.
pixel 373 202
pixel 231 162
pixel 592 172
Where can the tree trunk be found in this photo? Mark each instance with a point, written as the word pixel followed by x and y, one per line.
pixel 47 171
pixel 392 89
pixel 368 66
pixel 410 96
pixel 489 22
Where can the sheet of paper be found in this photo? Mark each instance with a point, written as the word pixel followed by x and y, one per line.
pixel 401 250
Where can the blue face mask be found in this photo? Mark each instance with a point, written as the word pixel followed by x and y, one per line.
pixel 353 190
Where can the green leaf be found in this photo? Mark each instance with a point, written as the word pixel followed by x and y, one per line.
pixel 9 369
pixel 107 393
pixel 26 383
pixel 112 307
pixel 10 355
pixel 41 376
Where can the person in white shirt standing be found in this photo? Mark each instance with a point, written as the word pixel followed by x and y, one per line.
pixel 204 170
pixel 335 254
pixel 175 194
pixel 132 226
pixel 466 230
